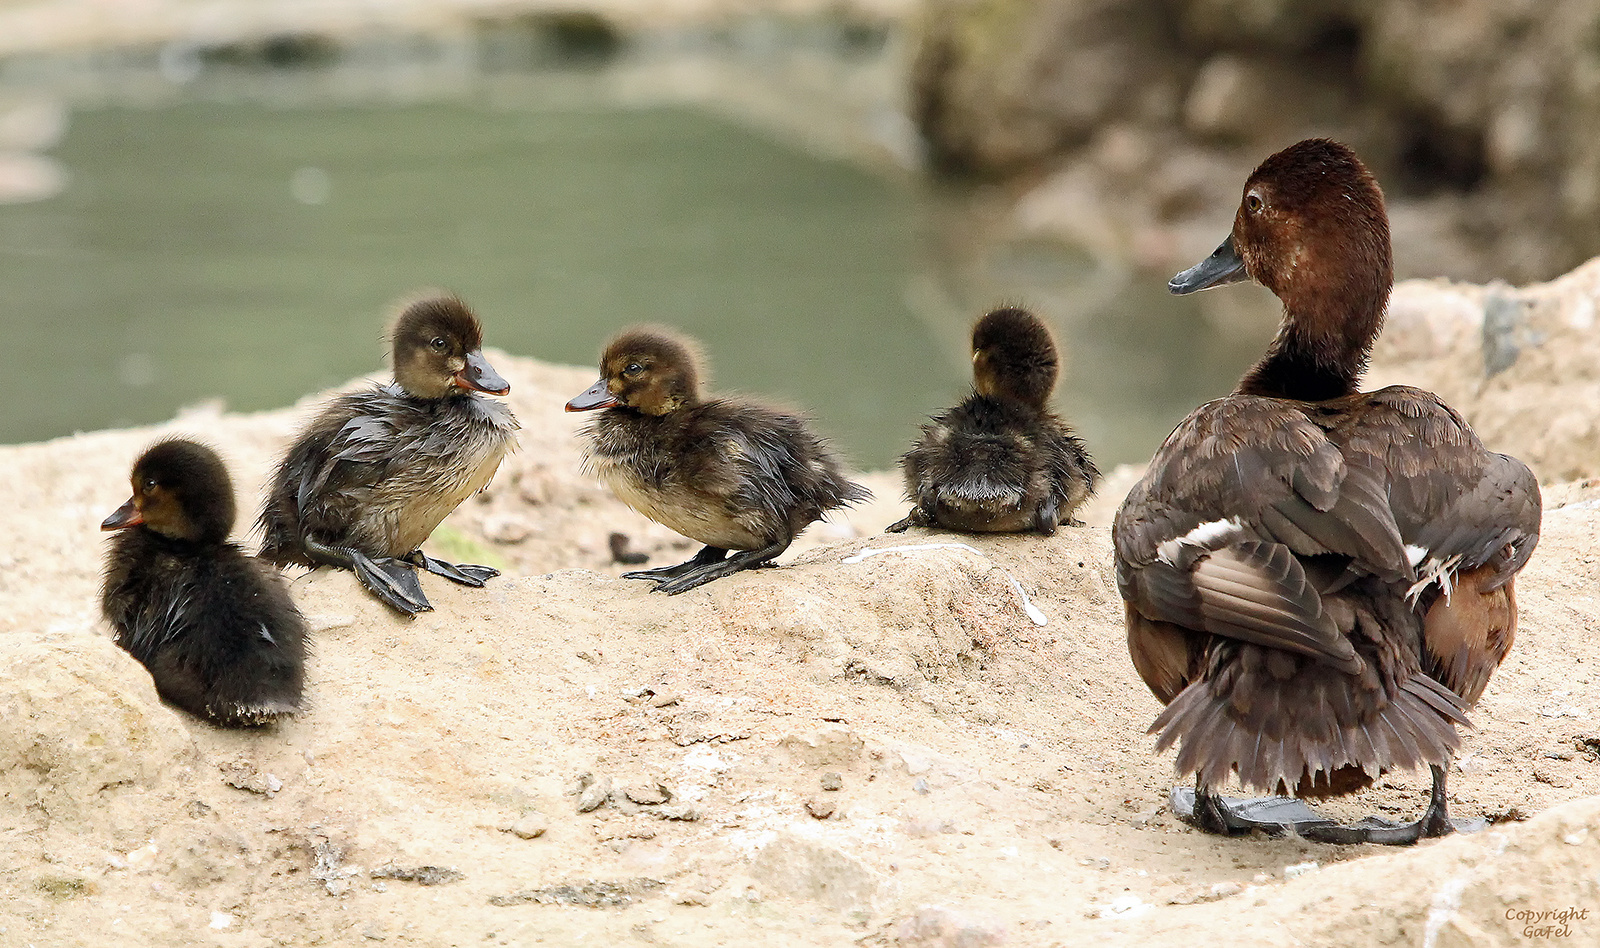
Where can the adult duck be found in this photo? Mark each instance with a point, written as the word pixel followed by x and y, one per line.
pixel 376 471
pixel 216 628
pixel 729 473
pixel 1318 581
pixel 1001 461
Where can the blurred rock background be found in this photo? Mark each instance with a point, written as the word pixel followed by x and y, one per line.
pixel 1119 126
pixel 1130 125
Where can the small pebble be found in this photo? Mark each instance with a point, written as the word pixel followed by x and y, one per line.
pixel 832 781
pixel 594 795
pixel 619 543
pixel 649 796
pixel 821 808
pixel 530 826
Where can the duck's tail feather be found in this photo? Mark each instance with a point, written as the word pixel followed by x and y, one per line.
pixel 1309 735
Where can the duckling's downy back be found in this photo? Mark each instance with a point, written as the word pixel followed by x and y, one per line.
pixel 1001 461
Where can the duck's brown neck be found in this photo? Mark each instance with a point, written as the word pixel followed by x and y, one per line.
pixel 1320 353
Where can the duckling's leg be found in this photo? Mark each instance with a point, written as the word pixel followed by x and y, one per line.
pixel 707 556
pixel 747 559
pixel 391 580
pixel 464 573
pixel 916 518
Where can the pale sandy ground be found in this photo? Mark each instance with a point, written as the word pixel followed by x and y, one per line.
pixel 995 783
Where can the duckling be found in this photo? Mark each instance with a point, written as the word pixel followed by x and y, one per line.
pixel 1000 462
pixel 729 473
pixel 376 471
pixel 216 628
pixel 1318 581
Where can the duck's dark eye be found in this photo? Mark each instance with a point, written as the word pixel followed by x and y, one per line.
pixel 1252 202
pixel 633 368
pixel 149 484
pixel 438 343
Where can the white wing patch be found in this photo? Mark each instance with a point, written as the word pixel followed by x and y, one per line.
pixel 1212 535
pixel 1416 554
pixel 1433 571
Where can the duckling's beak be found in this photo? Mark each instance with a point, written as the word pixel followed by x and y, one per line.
pixel 478 376
pixel 597 395
pixel 127 515
pixel 1224 266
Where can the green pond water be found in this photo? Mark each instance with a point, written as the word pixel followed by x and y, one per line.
pixel 251 252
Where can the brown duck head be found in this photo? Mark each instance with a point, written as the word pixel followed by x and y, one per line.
pixel 649 370
pixel 181 490
pixel 1312 228
pixel 438 350
pixel 1014 357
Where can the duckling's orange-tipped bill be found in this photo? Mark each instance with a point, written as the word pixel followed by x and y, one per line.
pixel 597 395
pixel 1224 266
pixel 479 376
pixel 127 515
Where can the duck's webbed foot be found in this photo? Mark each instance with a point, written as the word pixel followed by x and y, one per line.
pixel 1047 516
pixel 706 556
pixel 466 574
pixel 748 559
pixel 391 580
pixel 1434 822
pixel 1229 816
pixel 1276 816
pixel 918 517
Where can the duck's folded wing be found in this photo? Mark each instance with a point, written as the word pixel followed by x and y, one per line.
pixel 1211 540
pixel 356 454
pixel 1459 506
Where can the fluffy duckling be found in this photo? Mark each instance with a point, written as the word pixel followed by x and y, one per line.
pixel 728 473
pixel 1000 462
pixel 372 475
pixel 215 627
pixel 1318 581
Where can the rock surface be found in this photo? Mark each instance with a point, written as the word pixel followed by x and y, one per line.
pixel 994 783
pixel 1478 116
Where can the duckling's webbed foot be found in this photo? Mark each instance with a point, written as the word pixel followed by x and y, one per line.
pixel 749 559
pixel 706 556
pixel 391 580
pixel 916 518
pixel 464 573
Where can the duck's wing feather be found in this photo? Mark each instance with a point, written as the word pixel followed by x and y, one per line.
pixel 1459 506
pixel 1210 540
pixel 358 451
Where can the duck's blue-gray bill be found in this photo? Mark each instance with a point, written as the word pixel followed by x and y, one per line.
pixel 1224 266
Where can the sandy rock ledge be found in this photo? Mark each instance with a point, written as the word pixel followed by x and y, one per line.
pixel 934 746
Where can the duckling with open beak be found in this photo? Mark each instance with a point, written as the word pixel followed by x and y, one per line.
pixel 216 628
pixel 729 473
pixel 1318 581
pixel 377 470
pixel 1001 461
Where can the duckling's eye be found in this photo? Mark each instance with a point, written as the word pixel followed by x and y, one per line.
pixel 148 485
pixel 1252 202
pixel 633 368
pixel 438 343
